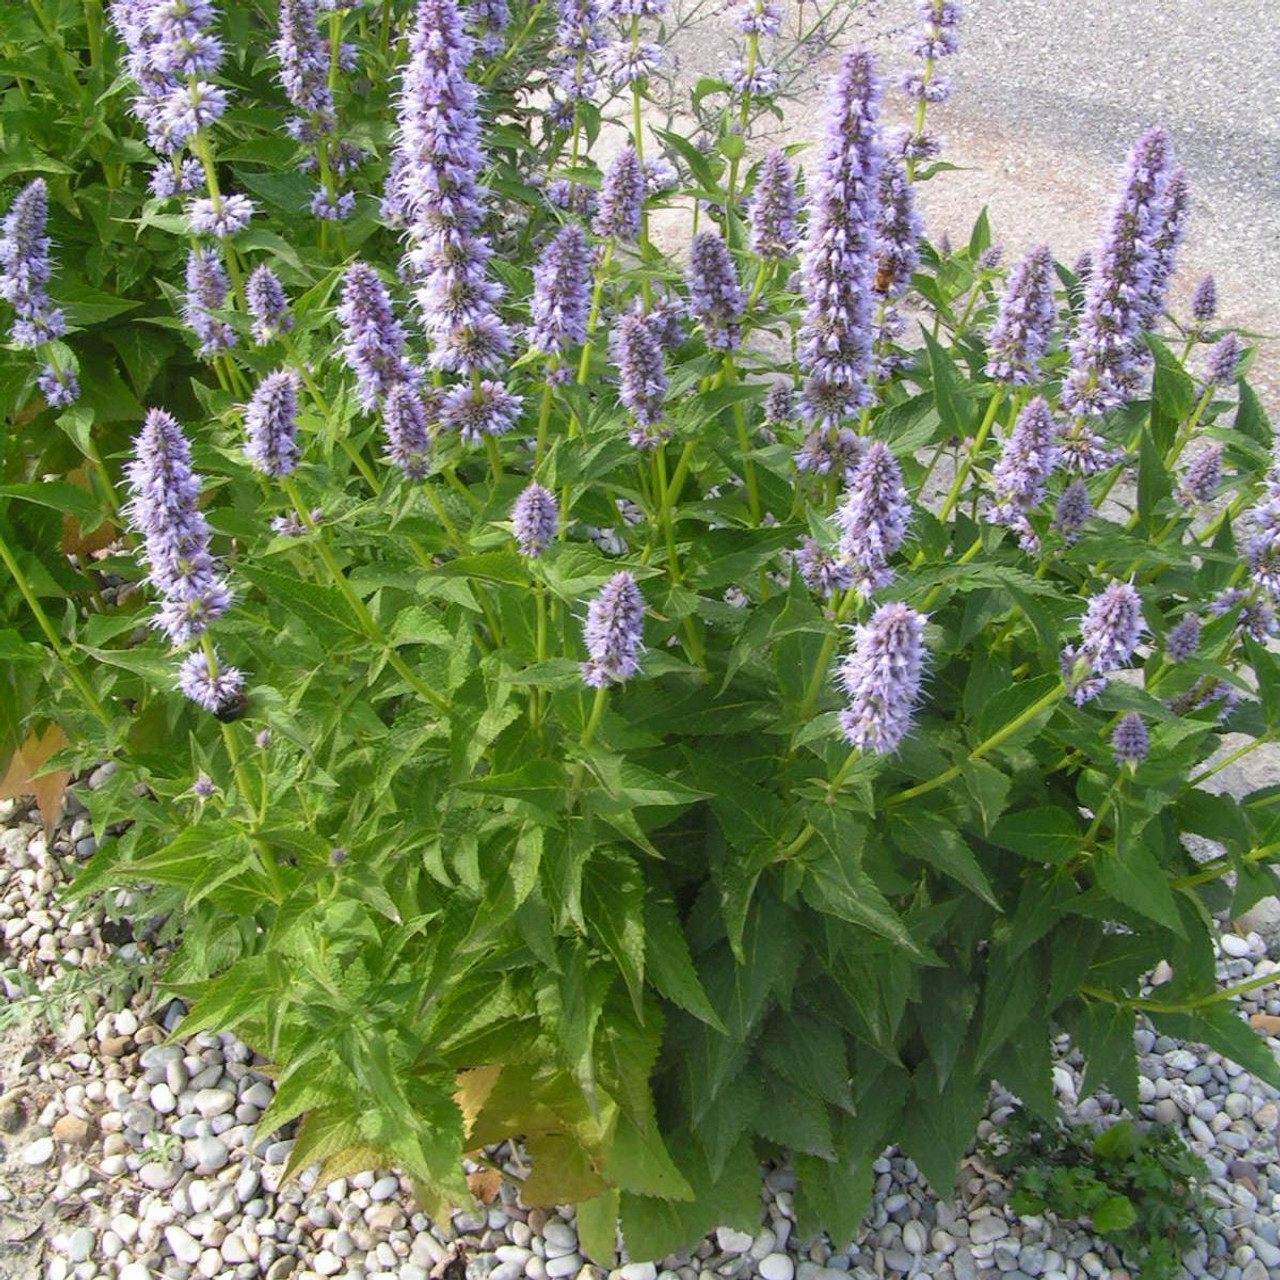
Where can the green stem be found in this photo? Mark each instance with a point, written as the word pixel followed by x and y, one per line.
pixel 962 472
pixel 985 748
pixel 819 676
pixel 77 677
pixel 495 68
pixel 744 443
pixel 1239 754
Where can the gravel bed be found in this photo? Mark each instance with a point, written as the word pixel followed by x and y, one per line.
pixel 124 1157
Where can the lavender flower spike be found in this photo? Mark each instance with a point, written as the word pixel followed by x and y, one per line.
pixel 900 229
pixel 1200 480
pixel 774 207
pixel 439 137
pixel 207 290
pixel 1204 302
pixel 837 341
pixel 621 198
pixel 1020 335
pixel 1105 360
pixel 881 676
pixel 209 684
pixel 613 632
pixel 1112 627
pixel 1224 360
pixel 561 292
pixel 715 297
pixel 1129 740
pixel 1019 477
pixel 265 298
pixel 1183 639
pixel 304 59
pixel 1073 511
pixel 372 338
pixel 404 419
pixel 642 378
pixel 535 520
pixel 1173 227
pixel 164 508
pixel 874 517
pixel 271 424
pixel 25 268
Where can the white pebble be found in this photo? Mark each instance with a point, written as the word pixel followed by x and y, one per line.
pixel 1234 945
pixel 185 1248
pixel 777 1266
pixel 730 1241
pixel 38 1153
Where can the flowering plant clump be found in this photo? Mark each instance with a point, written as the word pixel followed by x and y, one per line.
pixel 667 708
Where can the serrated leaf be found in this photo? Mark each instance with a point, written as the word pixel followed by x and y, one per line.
pixel 1046 834
pixel 929 837
pixel 613 903
pixel 668 962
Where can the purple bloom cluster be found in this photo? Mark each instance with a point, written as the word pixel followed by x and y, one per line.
pixel 779 404
pixel 1172 231
pixel 1109 633
pixel 774 206
pixel 25 268
pixel 207 290
pixel 578 36
pixel 881 676
pixel 489 21
pixel 613 632
pixel 642 379
pixel 822 572
pixel 1082 451
pixel 405 421
pixel 477 410
pixel 439 136
pixel 873 517
pixel 164 509
pixel 535 519
pixel 832 449
pixel 177 178
pixel 265 298
pixel 1073 511
pixel 1105 356
pixel 1020 335
pixel 899 229
pixel 173 55
pixel 1201 479
pixel 1204 301
pixel 1257 616
pixel 1129 740
pixel 333 207
pixel 628 63
pixel 1019 477
pixel 208 683
pixel 271 424
pixel 837 341
pixel 1183 639
pixel 715 297
pixel 936 38
pixel 760 81
pixel 1224 360
pixel 304 63
pixel 759 17
pixel 372 338
pixel 561 292
pixel 221 218
pixel 621 197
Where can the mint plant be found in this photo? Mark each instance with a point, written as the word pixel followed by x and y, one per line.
pixel 665 708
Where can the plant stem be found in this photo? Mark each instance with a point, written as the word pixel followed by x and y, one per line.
pixel 824 657
pixel 962 472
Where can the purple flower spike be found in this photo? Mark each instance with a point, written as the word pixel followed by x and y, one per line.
pixel 1129 740
pixel 304 58
pixel 837 341
pixel 404 419
pixel 1105 356
pixel 613 632
pixel 562 292
pixel 1082 681
pixel 221 218
pixel 1028 458
pixel 642 378
pixel 1183 640
pixel 265 298
pixel 1201 479
pixel 774 206
pixel 271 424
pixel 187 178
pixel 60 387
pixel 715 297
pixel 823 573
pixel 1073 511
pixel 207 290
pixel 900 228
pixel 779 404
pixel 1172 230
pixel 25 268
pixel 881 676
pixel 1224 360
pixel 164 508
pixel 215 689
pixel 535 520
pixel 1257 617
pixel 1204 302
pixel 621 198
pixel 486 409
pixel 439 136
pixel 1112 627
pixel 825 451
pixel 1020 335
pixel 874 517
pixel 627 64
pixel 373 340
pixel 337 207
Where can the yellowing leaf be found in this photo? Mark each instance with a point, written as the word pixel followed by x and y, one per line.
pixel 563 1172
pixel 474 1087
pixel 48 789
pixel 485 1184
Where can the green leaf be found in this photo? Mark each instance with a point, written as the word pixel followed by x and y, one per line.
pixel 955 409
pixel 540 784
pixel 1008 705
pixel 938 1125
pixel 321 608
pixel 61 495
pixel 1221 1027
pixel 810 1052
pixel 1104 1034
pixel 793 1118
pixel 1154 486
pixel 989 788
pixel 1045 834
pixel 1116 1213
pixel 640 1163
pixel 613 902
pixel 1131 874
pixel 932 839
pixel 669 964
pixel 598 1228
